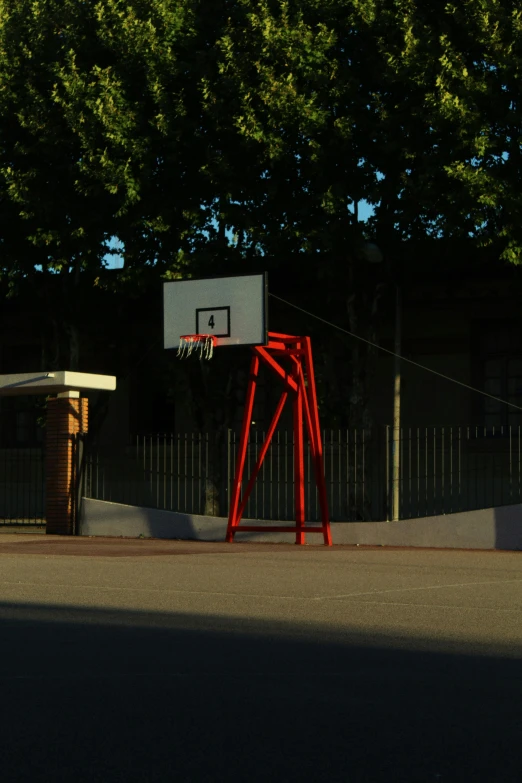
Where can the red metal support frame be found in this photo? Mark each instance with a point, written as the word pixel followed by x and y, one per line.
pixel 299 384
pixel 262 453
pixel 243 442
pixel 263 353
pixel 310 427
pixel 318 462
pixel 299 490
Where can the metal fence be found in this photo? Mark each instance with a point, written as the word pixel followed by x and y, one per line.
pixel 443 470
pixel 449 469
pixel 22 486
pixel 173 472
pixel 193 473
pixel 353 473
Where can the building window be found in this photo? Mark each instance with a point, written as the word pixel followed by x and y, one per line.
pixel 501 361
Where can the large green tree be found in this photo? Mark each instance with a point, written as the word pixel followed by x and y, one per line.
pixel 78 146
pixel 245 135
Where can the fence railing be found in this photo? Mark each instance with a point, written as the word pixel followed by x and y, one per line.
pixel 442 470
pixel 449 469
pixel 174 472
pixel 193 473
pixel 352 465
pixel 22 486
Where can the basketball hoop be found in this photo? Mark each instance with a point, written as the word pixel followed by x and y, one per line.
pixel 204 344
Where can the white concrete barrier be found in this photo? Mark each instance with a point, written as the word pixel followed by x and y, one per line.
pixel 490 528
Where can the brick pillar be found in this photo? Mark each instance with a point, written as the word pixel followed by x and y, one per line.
pixel 67 414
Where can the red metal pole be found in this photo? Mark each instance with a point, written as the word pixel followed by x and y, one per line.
pixel 318 460
pixel 262 454
pixel 306 408
pixel 299 464
pixel 243 444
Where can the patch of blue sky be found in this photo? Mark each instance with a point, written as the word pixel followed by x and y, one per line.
pixel 114 259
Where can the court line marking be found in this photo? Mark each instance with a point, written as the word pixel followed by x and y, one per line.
pixel 161 590
pixel 425 587
pixel 265 596
pixel 456 607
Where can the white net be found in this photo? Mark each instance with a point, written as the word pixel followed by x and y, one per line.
pixel 201 344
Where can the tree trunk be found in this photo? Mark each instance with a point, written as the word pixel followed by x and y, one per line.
pixel 214 499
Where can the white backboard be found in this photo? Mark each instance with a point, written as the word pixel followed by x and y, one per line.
pixel 233 309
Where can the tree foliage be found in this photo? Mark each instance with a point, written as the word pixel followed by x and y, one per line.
pixel 265 121
pixel 248 132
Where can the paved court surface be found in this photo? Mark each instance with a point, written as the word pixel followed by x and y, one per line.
pixel 174 661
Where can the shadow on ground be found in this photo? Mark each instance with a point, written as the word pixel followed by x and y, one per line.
pixel 93 695
pixel 508 531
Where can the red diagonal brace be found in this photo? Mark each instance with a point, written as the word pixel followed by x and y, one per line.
pixel 306 408
pixel 243 443
pixel 262 454
pixel 276 367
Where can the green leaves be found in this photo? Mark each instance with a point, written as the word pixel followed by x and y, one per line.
pixel 251 131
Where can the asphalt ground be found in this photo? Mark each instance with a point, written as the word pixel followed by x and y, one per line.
pixel 130 660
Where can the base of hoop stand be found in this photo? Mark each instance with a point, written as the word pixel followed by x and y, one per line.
pixel 298 378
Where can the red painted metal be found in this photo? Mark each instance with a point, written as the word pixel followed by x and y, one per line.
pixel 278 529
pixel 243 444
pixel 299 489
pixel 318 462
pixel 198 337
pixel 262 352
pixel 262 454
pixel 307 414
pixel 299 382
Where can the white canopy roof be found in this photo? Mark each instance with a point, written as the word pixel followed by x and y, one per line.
pixel 54 382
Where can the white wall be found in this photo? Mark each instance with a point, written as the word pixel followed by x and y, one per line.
pixel 492 528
